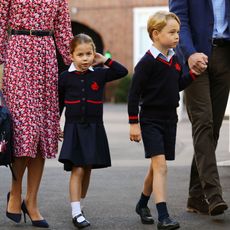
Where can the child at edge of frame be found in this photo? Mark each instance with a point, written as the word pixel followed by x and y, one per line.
pixel 85 144
pixel 155 86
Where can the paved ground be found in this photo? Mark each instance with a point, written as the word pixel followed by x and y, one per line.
pixel 114 191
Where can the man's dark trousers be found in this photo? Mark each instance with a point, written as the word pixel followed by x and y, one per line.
pixel 206 100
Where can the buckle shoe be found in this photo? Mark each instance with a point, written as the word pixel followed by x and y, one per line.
pixel 83 224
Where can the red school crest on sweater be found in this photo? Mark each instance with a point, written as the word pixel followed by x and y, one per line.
pixel 178 67
pixel 94 86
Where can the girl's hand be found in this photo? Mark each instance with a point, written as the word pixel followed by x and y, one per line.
pixel 99 59
pixel 135 132
pixel 60 135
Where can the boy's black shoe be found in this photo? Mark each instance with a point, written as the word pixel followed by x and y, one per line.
pixel 197 205
pixel 83 224
pixel 145 214
pixel 217 205
pixel 168 224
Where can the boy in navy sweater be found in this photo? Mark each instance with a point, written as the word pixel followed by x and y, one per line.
pixel 156 83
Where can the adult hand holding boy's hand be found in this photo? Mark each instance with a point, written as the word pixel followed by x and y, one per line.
pixel 198 63
pixel 135 132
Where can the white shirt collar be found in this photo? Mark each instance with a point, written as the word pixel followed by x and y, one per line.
pixel 157 53
pixel 72 68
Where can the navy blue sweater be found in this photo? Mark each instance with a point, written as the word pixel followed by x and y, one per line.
pixel 155 87
pixel 82 92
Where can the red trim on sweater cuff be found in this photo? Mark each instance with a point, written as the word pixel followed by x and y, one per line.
pixel 110 62
pixel 193 76
pixel 133 117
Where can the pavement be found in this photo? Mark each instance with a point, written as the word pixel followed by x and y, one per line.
pixel 114 191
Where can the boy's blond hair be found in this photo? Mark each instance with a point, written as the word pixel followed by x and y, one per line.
pixel 159 20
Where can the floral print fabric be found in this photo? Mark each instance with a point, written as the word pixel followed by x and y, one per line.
pixel 30 71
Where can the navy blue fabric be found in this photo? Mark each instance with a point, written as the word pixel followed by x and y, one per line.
pixel 6 157
pixel 143 201
pixel 197 21
pixel 155 87
pixel 162 211
pixel 87 88
pixel 85 144
pixel 159 137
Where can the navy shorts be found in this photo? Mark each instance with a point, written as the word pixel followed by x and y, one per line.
pixel 159 137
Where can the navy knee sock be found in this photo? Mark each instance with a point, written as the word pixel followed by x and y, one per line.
pixel 162 211
pixel 143 201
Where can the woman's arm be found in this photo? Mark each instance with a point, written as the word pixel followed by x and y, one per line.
pixel 62 31
pixel 4 23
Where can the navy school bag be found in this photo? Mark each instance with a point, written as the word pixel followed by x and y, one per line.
pixel 6 143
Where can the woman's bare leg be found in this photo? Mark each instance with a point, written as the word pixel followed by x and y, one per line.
pixel 19 166
pixel 35 171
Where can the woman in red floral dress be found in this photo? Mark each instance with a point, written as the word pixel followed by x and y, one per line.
pixel 30 89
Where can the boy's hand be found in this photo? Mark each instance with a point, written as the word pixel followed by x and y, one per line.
pixel 198 63
pixel 99 59
pixel 135 132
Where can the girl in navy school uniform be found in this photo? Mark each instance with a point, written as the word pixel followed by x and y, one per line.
pixel 85 144
pixel 156 83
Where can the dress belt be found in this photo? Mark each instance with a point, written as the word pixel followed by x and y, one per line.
pixel 40 33
pixel 220 42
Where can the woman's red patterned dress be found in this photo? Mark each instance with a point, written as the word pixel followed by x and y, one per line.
pixel 30 71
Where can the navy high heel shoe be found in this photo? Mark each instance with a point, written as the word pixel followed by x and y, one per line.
pixel 37 223
pixel 16 217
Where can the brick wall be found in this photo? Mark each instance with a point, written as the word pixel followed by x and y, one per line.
pixel 113 20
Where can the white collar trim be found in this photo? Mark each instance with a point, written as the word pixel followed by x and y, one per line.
pixel 155 52
pixel 72 68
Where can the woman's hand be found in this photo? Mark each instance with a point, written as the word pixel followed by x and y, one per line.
pixel 135 132
pixel 99 59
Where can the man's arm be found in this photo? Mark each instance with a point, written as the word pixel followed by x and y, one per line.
pixel 196 61
pixel 180 8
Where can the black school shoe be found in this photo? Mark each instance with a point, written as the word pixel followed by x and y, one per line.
pixel 168 224
pixel 85 223
pixel 217 205
pixel 197 205
pixel 145 214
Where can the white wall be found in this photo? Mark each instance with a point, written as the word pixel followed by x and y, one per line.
pixel 141 40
